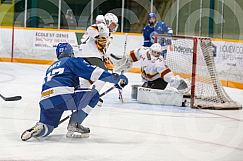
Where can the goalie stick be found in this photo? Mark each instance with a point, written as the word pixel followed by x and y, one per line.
pixel 120 92
pixel 104 93
pixel 115 57
pixel 14 98
pixel 124 53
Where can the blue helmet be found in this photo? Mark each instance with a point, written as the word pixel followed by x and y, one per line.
pixel 152 15
pixel 64 50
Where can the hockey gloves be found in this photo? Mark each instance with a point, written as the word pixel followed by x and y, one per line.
pixel 101 42
pixel 123 81
pixel 121 63
pixel 108 63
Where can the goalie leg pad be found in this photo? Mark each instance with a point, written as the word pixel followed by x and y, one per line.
pixel 134 93
pixel 156 84
pixel 159 97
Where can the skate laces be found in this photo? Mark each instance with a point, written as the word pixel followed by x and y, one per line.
pixel 37 128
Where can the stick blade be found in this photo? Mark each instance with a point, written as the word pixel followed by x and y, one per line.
pixel 15 98
pixel 115 57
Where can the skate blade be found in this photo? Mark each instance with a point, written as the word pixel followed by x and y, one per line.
pixel 76 135
pixel 26 135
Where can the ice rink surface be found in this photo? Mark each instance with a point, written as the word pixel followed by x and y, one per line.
pixel 119 131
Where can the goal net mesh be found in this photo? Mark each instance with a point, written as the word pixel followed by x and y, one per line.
pixel 193 59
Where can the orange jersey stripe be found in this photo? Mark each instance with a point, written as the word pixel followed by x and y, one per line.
pixel 164 72
pixel 95 27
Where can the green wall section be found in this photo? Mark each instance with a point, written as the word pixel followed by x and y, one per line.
pixel 79 36
pixel 211 18
pixel 6 14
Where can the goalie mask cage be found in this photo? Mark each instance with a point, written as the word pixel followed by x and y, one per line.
pixel 193 59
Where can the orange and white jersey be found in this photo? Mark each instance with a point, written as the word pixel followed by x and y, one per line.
pixel 90 46
pixel 152 68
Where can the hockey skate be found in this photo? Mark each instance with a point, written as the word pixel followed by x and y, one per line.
pixel 32 132
pixel 76 130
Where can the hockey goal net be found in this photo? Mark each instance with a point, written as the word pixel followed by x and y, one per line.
pixel 193 59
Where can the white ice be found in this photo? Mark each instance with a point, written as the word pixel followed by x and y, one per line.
pixel 119 131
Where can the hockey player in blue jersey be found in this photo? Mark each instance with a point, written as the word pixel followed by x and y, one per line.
pixel 61 92
pixel 154 28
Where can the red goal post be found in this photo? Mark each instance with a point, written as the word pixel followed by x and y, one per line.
pixel 193 59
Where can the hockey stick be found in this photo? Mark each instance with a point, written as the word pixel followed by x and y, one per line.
pixel 120 95
pixel 115 56
pixel 120 92
pixel 125 45
pixel 104 93
pixel 124 52
pixel 14 98
pixel 64 119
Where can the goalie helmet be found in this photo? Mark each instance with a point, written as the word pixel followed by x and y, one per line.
pixel 156 49
pixel 64 50
pixel 111 21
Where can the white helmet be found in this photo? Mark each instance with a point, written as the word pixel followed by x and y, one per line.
pixel 111 21
pixel 100 19
pixel 156 47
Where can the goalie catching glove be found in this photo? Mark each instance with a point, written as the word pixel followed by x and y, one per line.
pixel 121 63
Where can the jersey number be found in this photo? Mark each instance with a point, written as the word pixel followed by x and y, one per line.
pixel 53 73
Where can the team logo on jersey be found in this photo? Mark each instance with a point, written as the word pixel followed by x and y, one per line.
pixel 47 93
